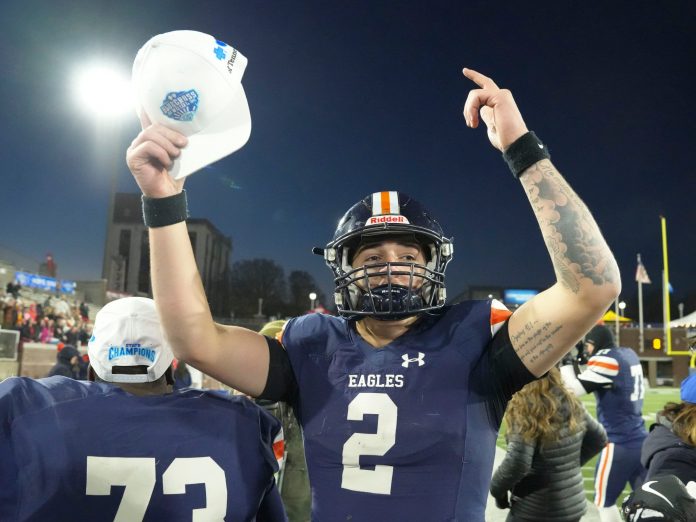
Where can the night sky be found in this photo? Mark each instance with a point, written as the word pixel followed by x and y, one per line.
pixel 348 98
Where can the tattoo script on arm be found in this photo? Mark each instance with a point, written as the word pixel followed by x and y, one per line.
pixel 535 340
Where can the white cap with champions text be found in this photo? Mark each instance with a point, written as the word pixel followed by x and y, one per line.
pixel 192 83
pixel 127 333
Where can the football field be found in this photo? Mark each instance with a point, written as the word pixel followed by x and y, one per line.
pixel 655 398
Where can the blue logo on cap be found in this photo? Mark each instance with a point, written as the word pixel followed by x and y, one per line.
pixel 219 53
pixel 180 106
pixel 91 339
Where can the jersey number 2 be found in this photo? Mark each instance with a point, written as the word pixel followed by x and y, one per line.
pixel 138 475
pixel 378 480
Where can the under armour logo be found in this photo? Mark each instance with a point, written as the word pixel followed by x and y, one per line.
pixel 420 360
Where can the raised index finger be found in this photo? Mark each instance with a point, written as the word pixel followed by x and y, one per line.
pixel 479 79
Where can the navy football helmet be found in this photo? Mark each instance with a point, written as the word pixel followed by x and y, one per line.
pixel 378 217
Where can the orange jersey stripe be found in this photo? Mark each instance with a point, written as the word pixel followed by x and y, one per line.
pixel 498 316
pixel 601 485
pixel 279 449
pixel 608 366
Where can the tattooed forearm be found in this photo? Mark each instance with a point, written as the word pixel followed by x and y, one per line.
pixel 576 245
pixel 532 342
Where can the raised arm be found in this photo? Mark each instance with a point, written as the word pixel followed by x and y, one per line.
pixel 233 355
pixel 587 276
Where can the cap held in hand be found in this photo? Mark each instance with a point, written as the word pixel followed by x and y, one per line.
pixel 192 83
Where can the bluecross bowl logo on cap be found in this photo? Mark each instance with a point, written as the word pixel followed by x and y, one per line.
pixel 181 105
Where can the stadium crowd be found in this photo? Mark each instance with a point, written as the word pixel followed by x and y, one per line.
pixel 45 318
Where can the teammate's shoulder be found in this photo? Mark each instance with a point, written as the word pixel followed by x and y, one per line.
pixel 28 393
pixel 490 311
pixel 240 404
pixel 605 362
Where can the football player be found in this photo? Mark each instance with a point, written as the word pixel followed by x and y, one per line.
pixel 133 450
pixel 615 376
pixel 401 397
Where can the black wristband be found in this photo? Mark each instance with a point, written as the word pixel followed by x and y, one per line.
pixel 524 152
pixel 162 212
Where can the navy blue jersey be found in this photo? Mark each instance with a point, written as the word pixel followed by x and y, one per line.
pixel 74 450
pixel 619 408
pixel 406 432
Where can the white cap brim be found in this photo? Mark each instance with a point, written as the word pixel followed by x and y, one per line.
pixel 228 133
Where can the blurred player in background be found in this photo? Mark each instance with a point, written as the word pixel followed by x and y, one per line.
pixel 132 450
pixel 615 376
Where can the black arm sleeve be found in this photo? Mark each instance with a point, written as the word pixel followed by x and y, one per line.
pixel 280 383
pixel 508 374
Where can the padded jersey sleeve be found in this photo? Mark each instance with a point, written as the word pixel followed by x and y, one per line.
pixel 600 373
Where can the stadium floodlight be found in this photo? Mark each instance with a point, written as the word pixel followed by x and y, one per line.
pixel 103 91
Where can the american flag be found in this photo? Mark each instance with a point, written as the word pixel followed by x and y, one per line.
pixel 642 274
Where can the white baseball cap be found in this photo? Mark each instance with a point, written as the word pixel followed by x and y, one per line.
pixel 192 83
pixel 127 333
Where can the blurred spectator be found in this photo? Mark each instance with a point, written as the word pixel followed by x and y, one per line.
pixel 84 312
pixel 29 330
pixel 13 289
pixel 67 363
pixel 670 448
pixel 46 333
pixel 85 334
pixel 9 313
pixel 615 376
pixel 549 436
pixel 61 308
pixel 71 334
pixel 294 481
pixel 182 376
pixel 83 367
pixel 72 441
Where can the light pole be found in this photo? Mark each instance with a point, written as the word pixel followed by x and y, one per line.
pixel 104 94
pixel 619 312
pixel 312 300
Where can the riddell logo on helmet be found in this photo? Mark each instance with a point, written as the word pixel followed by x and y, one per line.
pixel 378 220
